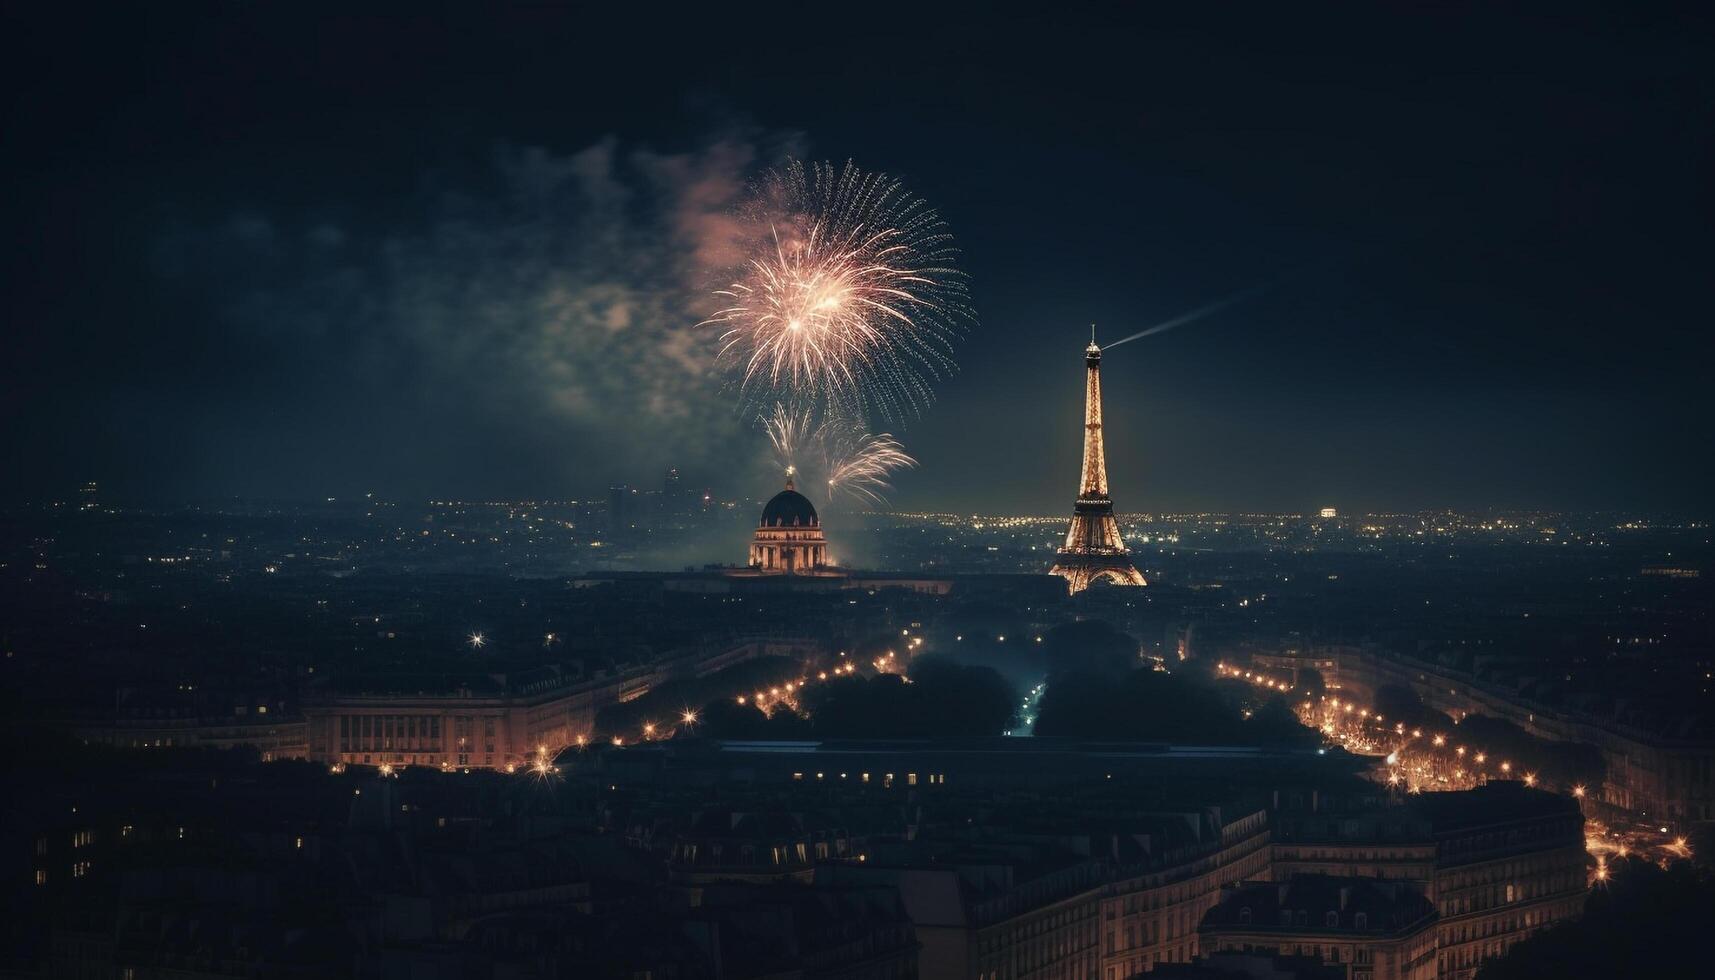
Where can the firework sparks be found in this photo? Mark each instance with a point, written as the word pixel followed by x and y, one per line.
pixel 850 296
pixel 854 462
pixel 790 430
pixel 859 464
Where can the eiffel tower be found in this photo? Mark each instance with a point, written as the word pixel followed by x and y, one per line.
pixel 1093 549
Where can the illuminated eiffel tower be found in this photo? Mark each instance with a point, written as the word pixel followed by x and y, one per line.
pixel 1093 549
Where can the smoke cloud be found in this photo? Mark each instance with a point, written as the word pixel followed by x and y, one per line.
pixel 539 318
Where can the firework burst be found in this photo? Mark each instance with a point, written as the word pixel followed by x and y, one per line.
pixel 850 298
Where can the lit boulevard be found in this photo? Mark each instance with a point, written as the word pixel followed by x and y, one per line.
pixel 1418 760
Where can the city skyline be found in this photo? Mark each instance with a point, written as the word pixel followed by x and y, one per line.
pixel 875 502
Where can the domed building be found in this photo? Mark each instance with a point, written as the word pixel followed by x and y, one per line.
pixel 789 538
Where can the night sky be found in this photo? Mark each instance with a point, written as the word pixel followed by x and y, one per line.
pixel 255 252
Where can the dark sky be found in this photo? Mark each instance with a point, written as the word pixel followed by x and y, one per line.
pixel 255 251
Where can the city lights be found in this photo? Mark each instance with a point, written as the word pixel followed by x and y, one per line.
pixel 1413 764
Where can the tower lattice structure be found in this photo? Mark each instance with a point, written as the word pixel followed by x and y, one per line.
pixel 1093 549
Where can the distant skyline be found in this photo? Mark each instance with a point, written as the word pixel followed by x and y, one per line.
pixel 78 497
pixel 262 253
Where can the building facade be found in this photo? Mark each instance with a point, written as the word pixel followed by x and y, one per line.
pixel 497 721
pixel 1497 863
pixel 1508 862
pixel 1150 915
pixel 1374 930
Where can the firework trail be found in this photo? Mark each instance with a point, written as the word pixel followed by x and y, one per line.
pixel 859 464
pixel 790 430
pixel 850 298
pixel 851 461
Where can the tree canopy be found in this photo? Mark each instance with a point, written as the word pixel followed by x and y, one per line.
pixel 1643 922
pixel 1153 705
pixel 941 698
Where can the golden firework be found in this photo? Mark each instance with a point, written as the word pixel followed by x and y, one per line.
pixel 850 297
